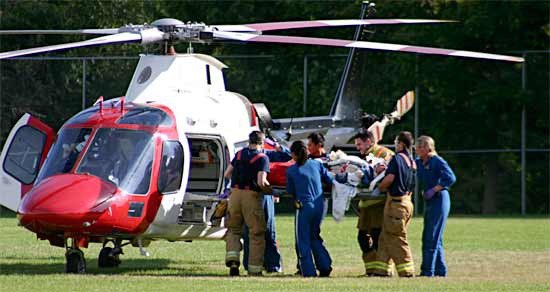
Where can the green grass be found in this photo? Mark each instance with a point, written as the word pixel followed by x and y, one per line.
pixel 486 254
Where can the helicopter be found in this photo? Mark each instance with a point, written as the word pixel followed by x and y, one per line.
pixel 149 165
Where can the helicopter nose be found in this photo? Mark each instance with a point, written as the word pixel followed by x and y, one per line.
pixel 65 203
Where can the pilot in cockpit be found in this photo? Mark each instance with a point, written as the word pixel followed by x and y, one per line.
pixel 71 152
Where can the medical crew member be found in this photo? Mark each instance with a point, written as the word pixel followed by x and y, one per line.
pixel 304 183
pixel 248 172
pixel 371 211
pixel 398 209
pixel 435 177
pixel 272 255
pixel 316 147
pixel 315 150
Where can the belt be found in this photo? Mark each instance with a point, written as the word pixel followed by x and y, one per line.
pixel 400 198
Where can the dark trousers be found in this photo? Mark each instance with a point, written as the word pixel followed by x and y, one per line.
pixel 436 211
pixel 272 256
pixel 310 245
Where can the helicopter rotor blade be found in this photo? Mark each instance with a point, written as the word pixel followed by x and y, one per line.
pixel 105 31
pixel 403 105
pixel 144 36
pixel 268 26
pixel 249 37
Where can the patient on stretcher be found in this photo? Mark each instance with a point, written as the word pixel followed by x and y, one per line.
pixel 355 171
pixel 351 173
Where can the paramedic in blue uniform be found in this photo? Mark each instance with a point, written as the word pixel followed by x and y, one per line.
pixel 315 150
pixel 248 173
pixel 435 177
pixel 272 255
pixel 304 183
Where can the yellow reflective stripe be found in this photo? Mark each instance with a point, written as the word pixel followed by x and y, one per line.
pixel 379 263
pixel 370 265
pixel 405 267
pixel 254 269
pixel 232 255
pixel 381 266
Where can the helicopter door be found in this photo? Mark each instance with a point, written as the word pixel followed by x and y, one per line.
pixel 22 156
pixel 205 181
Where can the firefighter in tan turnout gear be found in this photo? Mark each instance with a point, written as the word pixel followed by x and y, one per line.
pixel 371 211
pixel 399 183
pixel 248 173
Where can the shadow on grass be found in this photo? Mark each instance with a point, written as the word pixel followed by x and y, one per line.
pixel 6 213
pixel 129 267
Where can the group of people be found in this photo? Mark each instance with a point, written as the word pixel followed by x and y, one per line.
pixel 383 222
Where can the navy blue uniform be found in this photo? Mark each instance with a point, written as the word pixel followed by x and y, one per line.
pixel 403 182
pixel 304 182
pixel 247 163
pixel 434 172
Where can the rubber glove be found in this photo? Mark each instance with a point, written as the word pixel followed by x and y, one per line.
pixel 429 194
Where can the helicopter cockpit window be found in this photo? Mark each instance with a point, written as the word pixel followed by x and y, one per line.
pixel 146 116
pixel 64 153
pixel 171 169
pixel 206 168
pixel 24 153
pixel 122 157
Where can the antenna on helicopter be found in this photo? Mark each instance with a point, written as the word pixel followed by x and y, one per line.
pixel 289 132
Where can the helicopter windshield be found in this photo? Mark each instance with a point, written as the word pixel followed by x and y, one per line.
pixel 122 157
pixel 65 151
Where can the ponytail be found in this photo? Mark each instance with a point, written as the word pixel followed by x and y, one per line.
pixel 299 149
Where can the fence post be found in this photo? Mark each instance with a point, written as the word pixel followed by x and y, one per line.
pixel 523 142
pixel 416 113
pixel 83 83
pixel 304 108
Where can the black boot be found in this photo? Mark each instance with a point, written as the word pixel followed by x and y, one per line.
pixel 233 268
pixel 325 273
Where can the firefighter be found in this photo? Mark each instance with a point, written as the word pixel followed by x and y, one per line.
pixel 435 176
pixel 248 173
pixel 399 183
pixel 272 255
pixel 304 183
pixel 371 212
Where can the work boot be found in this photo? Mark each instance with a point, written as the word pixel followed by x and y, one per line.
pixel 255 274
pixel 325 273
pixel 233 269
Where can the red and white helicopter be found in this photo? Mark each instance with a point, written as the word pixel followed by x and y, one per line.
pixel 148 165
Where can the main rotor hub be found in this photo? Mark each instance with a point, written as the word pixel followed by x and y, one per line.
pixel 176 30
pixel 168 24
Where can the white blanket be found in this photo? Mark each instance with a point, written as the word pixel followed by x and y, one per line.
pixel 341 198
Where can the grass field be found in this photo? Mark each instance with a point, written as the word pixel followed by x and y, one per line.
pixel 483 254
